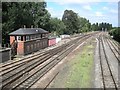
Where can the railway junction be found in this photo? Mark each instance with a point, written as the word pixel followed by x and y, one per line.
pixel 83 61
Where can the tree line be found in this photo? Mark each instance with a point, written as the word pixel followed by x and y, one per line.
pixel 101 26
pixel 17 14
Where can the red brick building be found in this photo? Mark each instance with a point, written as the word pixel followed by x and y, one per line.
pixel 27 40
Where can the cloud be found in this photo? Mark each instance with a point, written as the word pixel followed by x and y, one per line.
pixel 49 9
pixel 55 13
pixel 114 11
pixel 87 7
pixel 79 1
pixel 72 1
pixel 105 8
pixel 98 14
pixel 103 13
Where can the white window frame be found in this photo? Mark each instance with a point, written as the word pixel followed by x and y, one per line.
pixel 18 38
pixel 27 38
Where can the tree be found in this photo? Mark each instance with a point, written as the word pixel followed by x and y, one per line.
pixel 56 26
pixel 84 24
pixel 105 26
pixel 70 19
pixel 95 27
pixel 17 14
pixel 41 16
pixel 115 32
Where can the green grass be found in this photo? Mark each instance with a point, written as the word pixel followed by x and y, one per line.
pixel 81 67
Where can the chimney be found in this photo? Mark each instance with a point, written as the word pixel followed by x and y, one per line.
pixel 24 26
pixel 31 26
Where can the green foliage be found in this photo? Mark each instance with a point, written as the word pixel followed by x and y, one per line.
pixel 40 15
pixel 84 25
pixel 17 14
pixel 57 26
pixel 115 32
pixel 70 19
pixel 74 23
pixel 101 26
pixel 95 27
pixel 80 70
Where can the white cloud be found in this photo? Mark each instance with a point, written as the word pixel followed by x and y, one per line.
pixel 105 8
pixel 79 1
pixel 49 9
pixel 98 14
pixel 87 7
pixel 55 13
pixel 114 11
pixel 104 14
pixel 72 1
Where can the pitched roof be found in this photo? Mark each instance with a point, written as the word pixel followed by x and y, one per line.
pixel 28 31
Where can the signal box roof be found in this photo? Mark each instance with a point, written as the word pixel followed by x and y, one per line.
pixel 29 31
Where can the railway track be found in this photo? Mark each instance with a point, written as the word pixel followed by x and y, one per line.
pixel 25 66
pixel 108 79
pixel 12 62
pixel 117 44
pixel 12 66
pixel 24 73
pixel 113 48
pixel 114 45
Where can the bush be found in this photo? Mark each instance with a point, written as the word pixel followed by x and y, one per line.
pixel 115 33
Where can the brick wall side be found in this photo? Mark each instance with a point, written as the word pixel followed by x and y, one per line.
pixel 35 45
pixel 12 38
pixel 20 48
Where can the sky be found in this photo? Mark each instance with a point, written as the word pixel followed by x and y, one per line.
pixel 93 10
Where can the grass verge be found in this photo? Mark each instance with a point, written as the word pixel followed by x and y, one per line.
pixel 80 74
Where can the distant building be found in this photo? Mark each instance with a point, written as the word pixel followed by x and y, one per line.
pixel 27 40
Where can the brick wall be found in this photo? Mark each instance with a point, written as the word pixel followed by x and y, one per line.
pixel 20 48
pixel 35 45
pixel 27 47
pixel 12 38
